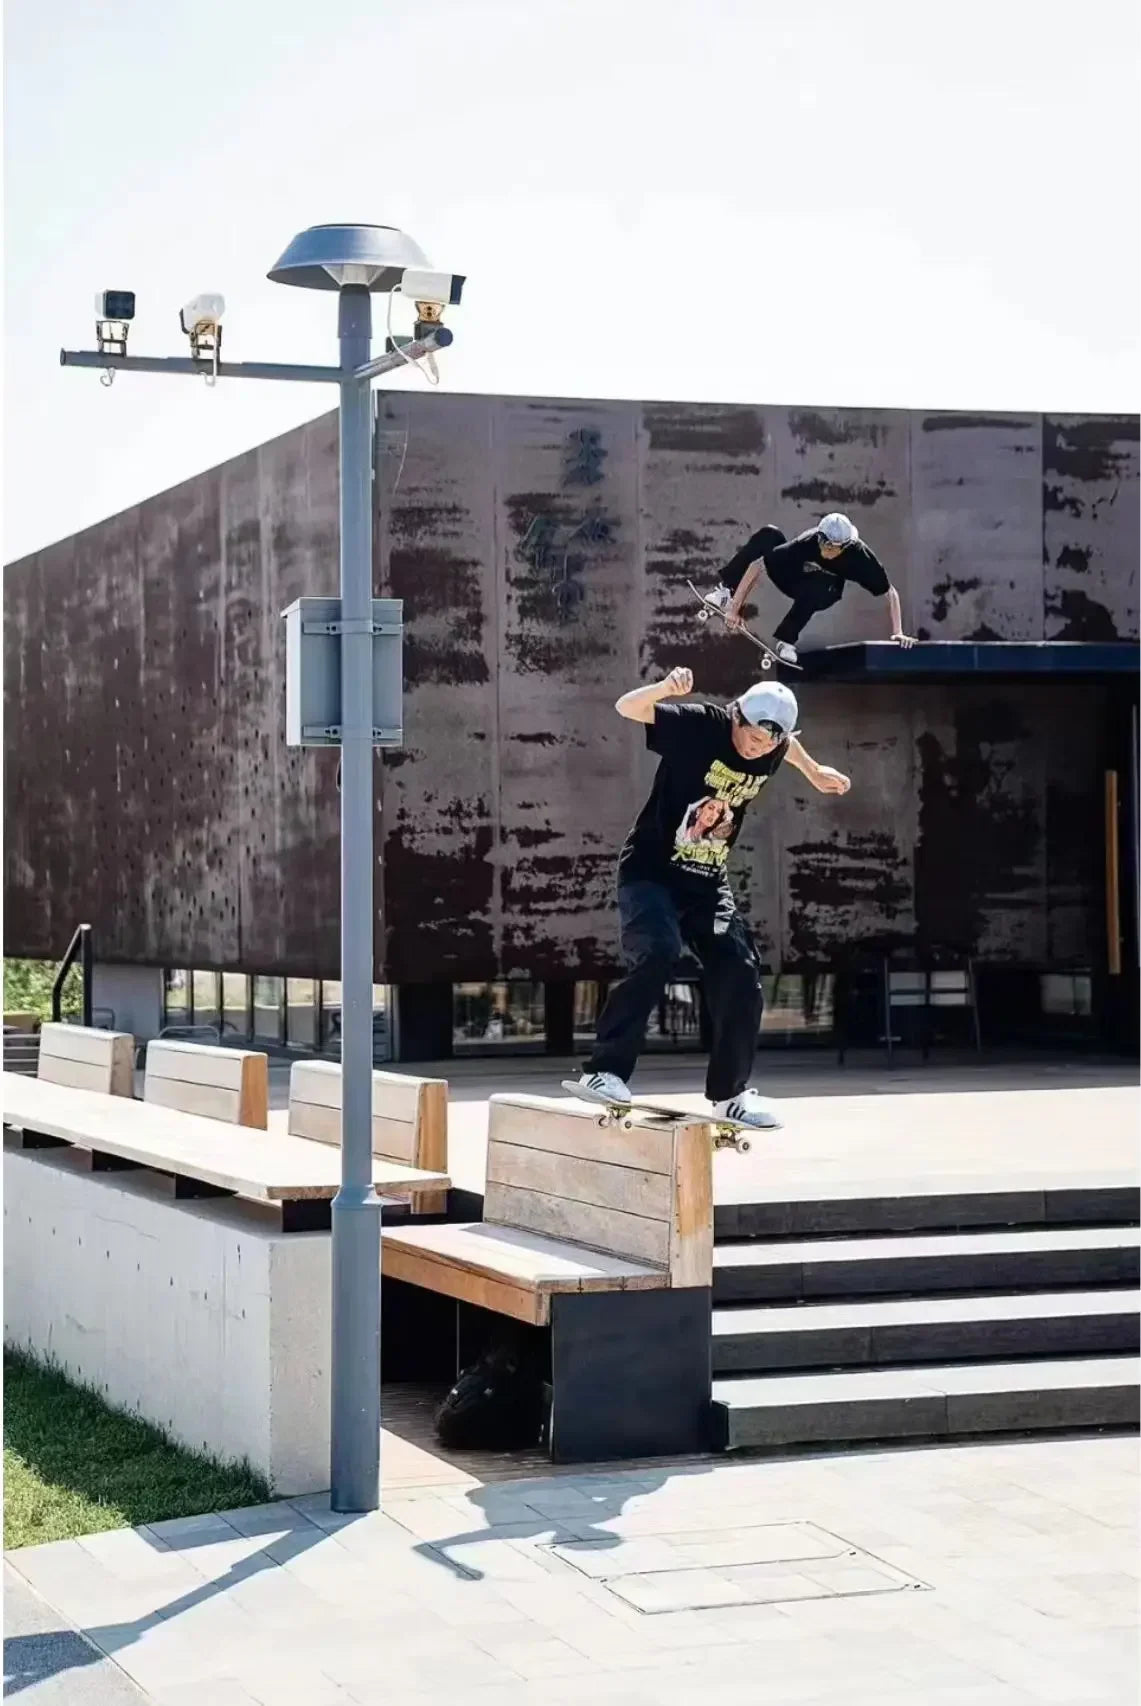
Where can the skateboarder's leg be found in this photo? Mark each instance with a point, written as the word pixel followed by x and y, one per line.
pixel 651 942
pixel 732 975
pixel 764 540
pixel 809 594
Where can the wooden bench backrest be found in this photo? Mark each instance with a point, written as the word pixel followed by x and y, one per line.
pixel 645 1193
pixel 409 1115
pixel 220 1083
pixel 83 1058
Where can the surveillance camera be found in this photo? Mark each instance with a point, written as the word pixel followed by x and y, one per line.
pixel 442 288
pixel 115 305
pixel 201 312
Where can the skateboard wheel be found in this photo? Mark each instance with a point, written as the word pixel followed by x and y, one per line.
pixel 744 1146
pixel 604 1119
pixel 766 663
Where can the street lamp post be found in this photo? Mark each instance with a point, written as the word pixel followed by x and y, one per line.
pixel 356 261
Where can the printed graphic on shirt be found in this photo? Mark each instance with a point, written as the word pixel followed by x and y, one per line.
pixel 708 825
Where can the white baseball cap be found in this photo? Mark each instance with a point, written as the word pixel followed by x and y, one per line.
pixel 838 530
pixel 769 702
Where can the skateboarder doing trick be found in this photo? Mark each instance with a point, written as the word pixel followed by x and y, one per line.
pixel 813 570
pixel 672 886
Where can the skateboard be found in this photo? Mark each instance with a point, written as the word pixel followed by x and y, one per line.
pixel 708 609
pixel 727 1134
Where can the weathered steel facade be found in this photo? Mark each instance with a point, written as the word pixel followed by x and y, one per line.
pixel 542 549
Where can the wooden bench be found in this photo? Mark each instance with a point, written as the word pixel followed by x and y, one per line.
pixel 219 1083
pixel 87 1059
pixel 598 1239
pixel 409 1118
pixel 196 1156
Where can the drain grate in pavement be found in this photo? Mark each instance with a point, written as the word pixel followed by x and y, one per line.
pixel 768 1564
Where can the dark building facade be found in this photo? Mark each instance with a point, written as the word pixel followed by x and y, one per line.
pixel 542 549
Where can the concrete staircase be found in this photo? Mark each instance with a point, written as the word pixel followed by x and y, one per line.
pixel 904 1316
pixel 21 1051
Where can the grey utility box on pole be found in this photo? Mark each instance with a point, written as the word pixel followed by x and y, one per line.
pixel 313 630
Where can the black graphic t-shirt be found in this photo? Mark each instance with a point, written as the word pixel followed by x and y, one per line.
pixel 702 786
pixel 855 563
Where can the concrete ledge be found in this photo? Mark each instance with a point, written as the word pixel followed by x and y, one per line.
pixel 202 1316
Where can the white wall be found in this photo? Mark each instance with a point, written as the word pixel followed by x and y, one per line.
pixel 135 995
pixel 201 1317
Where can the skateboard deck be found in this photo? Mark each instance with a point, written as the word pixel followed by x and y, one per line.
pixel 727 1134
pixel 708 609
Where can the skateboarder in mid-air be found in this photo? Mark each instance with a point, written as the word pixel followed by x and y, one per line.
pixel 672 885
pixel 813 570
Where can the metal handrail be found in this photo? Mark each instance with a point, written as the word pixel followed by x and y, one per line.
pixel 80 946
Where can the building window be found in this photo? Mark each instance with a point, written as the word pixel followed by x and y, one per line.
pixel 330 1043
pixel 1067 994
pixel 508 1016
pixel 176 1008
pixel 588 1002
pixel 235 1004
pixel 206 992
pixel 675 1022
pixel 301 1012
pixel 798 1006
pixel 269 1000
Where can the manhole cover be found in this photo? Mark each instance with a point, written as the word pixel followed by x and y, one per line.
pixel 767 1564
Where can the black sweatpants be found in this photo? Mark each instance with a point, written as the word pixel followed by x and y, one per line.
pixel 657 920
pixel 811 588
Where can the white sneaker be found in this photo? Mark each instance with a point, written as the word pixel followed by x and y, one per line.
pixel 749 1108
pixel 720 596
pixel 785 652
pixel 604 1087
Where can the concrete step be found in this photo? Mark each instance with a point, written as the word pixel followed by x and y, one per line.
pixel 940 1402
pixel 969 1203
pixel 912 1263
pixel 927 1329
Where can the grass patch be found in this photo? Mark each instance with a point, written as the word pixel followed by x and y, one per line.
pixel 73 1465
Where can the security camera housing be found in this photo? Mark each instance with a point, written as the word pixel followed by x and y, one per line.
pixel 115 305
pixel 202 311
pixel 442 288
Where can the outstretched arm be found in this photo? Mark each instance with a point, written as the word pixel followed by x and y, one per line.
pixel 822 776
pixel 894 611
pixel 638 704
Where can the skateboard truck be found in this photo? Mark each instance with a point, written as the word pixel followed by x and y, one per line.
pixel 727 1134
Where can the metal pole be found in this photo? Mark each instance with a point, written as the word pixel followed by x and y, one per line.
pixel 355 1417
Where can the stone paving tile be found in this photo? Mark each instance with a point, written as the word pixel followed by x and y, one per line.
pixel 1029 1598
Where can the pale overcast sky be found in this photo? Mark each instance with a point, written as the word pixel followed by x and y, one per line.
pixel 795 201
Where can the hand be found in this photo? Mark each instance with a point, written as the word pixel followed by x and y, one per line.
pixel 830 781
pixel 903 640
pixel 678 683
pixel 734 621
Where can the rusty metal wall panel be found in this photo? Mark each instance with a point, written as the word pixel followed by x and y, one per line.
pixel 1091 526
pixel 542 550
pixel 856 461
pixel 280 541
pixel 846 863
pixel 568 538
pixel 976 497
pixel 438 552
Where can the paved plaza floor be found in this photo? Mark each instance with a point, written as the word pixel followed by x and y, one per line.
pixel 1000 1574
pixel 996 1575
pixel 861 1126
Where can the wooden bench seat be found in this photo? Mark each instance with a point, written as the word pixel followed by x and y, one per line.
pixel 201 1156
pixel 409 1118
pixel 509 1270
pixel 598 1236
pixel 219 1083
pixel 83 1058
